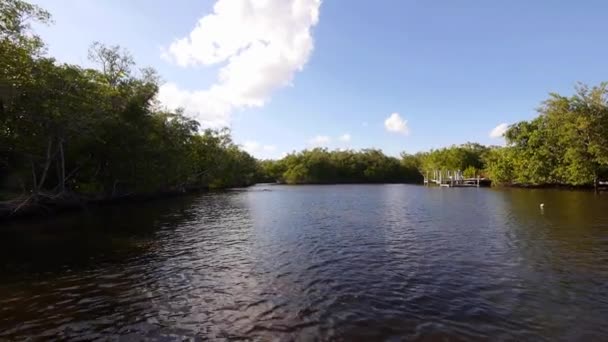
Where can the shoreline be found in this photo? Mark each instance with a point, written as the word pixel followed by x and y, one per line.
pixel 554 187
pixel 45 206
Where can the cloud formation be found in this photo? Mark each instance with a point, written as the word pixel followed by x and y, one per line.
pixel 254 147
pixel 258 150
pixel 319 140
pixel 499 130
pixel 261 43
pixel 396 124
pixel 345 137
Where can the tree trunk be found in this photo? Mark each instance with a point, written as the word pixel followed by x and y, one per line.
pixel 62 167
pixel 595 183
pixel 34 178
pixel 58 175
pixel 114 188
pixel 46 165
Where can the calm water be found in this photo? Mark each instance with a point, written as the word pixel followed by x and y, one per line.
pixel 377 262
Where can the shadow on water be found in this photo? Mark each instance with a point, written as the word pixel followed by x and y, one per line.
pixel 340 262
pixel 101 234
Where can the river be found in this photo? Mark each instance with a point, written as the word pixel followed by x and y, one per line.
pixel 344 262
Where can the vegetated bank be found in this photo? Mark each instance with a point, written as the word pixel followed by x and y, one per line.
pixel 321 166
pixel 71 135
pixel 565 146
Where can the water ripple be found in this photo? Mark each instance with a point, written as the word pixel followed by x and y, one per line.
pixel 343 263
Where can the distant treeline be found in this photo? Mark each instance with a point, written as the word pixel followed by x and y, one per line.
pixel 567 144
pixel 320 166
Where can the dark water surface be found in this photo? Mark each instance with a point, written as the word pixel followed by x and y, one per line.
pixel 356 262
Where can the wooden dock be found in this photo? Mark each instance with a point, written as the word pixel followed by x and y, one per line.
pixel 452 179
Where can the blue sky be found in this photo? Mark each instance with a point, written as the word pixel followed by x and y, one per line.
pixel 291 74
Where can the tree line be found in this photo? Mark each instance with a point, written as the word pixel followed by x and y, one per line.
pixel 68 129
pixel 321 166
pixel 567 144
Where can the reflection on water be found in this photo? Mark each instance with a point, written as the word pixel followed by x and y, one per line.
pixel 315 262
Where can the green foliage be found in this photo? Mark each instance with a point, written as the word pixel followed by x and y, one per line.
pixel 15 17
pixel 499 165
pixel 567 144
pixel 64 128
pixel 470 172
pixel 468 158
pixel 320 166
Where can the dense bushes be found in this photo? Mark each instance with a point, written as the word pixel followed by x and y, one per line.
pixel 64 128
pixel 469 158
pixel 320 166
pixel 567 144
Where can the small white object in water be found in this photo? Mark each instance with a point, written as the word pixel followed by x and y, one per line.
pixel 542 205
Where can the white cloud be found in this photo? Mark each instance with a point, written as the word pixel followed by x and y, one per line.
pixel 262 44
pixel 395 123
pixel 258 150
pixel 345 137
pixel 499 130
pixel 206 106
pixel 319 140
pixel 254 146
pixel 251 146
